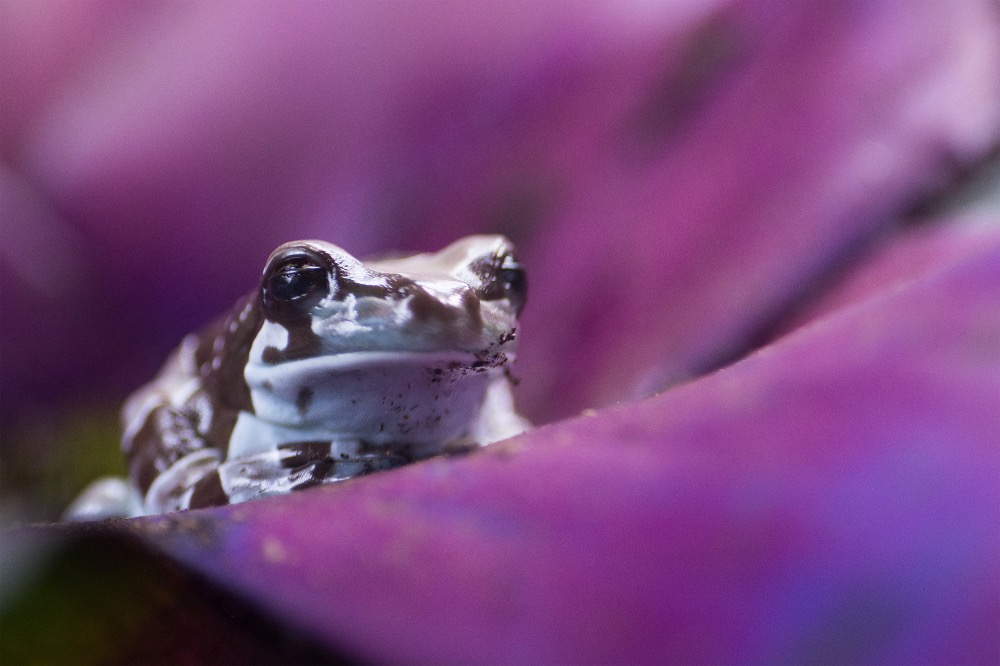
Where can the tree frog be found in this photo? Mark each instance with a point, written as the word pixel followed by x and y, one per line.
pixel 330 369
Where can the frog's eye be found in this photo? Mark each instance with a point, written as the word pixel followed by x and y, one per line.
pixel 505 278
pixel 515 282
pixel 299 281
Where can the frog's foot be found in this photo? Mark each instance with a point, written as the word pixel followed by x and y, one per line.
pixel 188 483
pixel 110 497
pixel 299 465
pixel 462 446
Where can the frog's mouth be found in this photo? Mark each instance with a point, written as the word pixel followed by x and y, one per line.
pixel 360 361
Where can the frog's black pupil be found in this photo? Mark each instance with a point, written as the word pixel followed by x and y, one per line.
pixel 297 281
pixel 516 281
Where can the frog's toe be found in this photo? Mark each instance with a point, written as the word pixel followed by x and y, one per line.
pixel 110 497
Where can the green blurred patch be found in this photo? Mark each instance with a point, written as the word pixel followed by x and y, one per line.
pixel 89 594
pixel 47 458
pixel 80 607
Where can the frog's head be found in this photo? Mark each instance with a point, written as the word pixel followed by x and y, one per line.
pixel 318 300
pixel 336 329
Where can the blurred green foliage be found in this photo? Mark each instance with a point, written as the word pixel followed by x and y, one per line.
pixel 90 595
pixel 47 458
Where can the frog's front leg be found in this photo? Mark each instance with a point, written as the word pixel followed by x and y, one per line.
pixel 171 464
pixel 190 483
pixel 297 465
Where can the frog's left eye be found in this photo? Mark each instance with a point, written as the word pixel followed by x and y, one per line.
pixel 299 281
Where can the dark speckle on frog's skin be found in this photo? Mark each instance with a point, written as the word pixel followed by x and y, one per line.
pixel 303 400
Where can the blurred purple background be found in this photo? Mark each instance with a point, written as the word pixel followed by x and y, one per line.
pixel 674 173
pixel 685 181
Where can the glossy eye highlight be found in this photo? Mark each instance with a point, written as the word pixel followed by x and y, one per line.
pixel 296 280
pixel 515 281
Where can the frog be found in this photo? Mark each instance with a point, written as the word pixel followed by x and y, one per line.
pixel 332 368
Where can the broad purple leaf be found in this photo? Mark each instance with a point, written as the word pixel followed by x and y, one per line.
pixel 810 126
pixel 832 498
pixel 907 256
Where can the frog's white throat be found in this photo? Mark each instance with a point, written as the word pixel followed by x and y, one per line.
pixel 395 398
